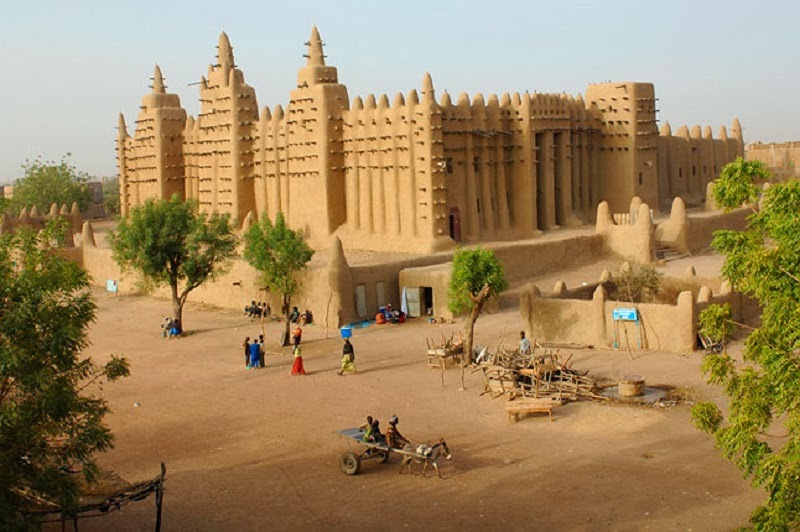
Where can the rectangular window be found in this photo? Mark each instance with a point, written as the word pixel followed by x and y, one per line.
pixel 680 172
pixel 449 165
pixel 476 164
pixel 478 201
pixel 694 170
pixel 641 178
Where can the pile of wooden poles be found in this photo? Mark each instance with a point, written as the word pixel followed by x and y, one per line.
pixel 540 374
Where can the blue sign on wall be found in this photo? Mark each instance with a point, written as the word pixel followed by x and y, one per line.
pixel 625 314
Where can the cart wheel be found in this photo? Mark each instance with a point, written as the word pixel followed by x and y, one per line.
pixel 350 463
pixel 385 456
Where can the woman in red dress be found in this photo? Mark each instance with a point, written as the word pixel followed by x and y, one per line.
pixel 297 367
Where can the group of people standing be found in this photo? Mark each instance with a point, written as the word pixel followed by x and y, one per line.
pixel 254 354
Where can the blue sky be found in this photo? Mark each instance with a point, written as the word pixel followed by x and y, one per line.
pixel 71 66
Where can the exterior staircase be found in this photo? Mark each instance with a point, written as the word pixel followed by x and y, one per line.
pixel 668 253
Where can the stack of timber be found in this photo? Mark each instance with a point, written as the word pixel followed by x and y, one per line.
pixel 537 375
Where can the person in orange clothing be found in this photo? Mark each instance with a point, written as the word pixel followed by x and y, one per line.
pixel 297 335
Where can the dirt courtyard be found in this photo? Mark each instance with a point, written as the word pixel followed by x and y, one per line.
pixel 257 450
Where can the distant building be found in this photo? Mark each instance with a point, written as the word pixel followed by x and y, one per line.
pixel 415 174
pixel 781 158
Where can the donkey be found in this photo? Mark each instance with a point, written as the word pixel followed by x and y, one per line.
pixel 425 455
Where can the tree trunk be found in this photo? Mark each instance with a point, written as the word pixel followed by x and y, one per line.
pixel 469 331
pixel 477 305
pixel 287 301
pixel 177 304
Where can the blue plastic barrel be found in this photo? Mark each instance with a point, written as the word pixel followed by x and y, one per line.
pixel 346 332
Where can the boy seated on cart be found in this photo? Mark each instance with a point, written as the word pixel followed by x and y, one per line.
pixel 372 431
pixel 394 439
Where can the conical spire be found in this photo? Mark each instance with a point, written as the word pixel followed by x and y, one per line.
pixel 427 87
pixel 122 129
pixel 736 129
pixel 224 50
pixel 158 81
pixel 315 55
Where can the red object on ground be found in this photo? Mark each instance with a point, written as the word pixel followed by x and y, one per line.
pixel 380 319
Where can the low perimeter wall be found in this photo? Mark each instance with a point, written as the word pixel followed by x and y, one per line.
pixel 671 328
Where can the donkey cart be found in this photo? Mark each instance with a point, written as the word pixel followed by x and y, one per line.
pixel 423 454
pixel 351 462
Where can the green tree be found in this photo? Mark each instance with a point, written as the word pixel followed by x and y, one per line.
pixel 50 424
pixel 761 431
pixel 170 243
pixel 737 185
pixel 48 182
pixel 477 276
pixel 111 196
pixel 279 253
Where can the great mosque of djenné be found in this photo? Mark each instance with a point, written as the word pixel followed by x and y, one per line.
pixel 415 174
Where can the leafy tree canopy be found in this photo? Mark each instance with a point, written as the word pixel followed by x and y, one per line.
pixel 474 270
pixel 737 183
pixel 48 182
pixel 170 243
pixel 279 253
pixel 477 275
pixel 764 389
pixel 49 423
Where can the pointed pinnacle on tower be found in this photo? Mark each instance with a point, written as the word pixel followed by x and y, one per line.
pixel 158 81
pixel 224 50
pixel 427 87
pixel 122 129
pixel 315 55
pixel 736 129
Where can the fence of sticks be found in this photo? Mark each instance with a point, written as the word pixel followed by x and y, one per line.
pixel 540 374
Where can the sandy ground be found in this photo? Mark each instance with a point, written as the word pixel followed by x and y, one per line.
pixel 257 450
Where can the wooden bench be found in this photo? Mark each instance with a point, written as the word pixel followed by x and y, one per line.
pixel 527 405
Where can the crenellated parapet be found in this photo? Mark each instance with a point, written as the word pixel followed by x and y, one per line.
pixel 691 158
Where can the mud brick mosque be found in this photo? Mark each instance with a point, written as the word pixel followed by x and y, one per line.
pixel 414 173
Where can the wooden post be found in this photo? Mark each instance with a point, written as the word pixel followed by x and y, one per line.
pixel 160 496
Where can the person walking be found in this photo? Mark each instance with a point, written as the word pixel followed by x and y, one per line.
pixel 348 358
pixel 297 335
pixel 297 367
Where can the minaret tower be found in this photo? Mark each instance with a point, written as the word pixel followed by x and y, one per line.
pixel 151 163
pixel 315 147
pixel 226 132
